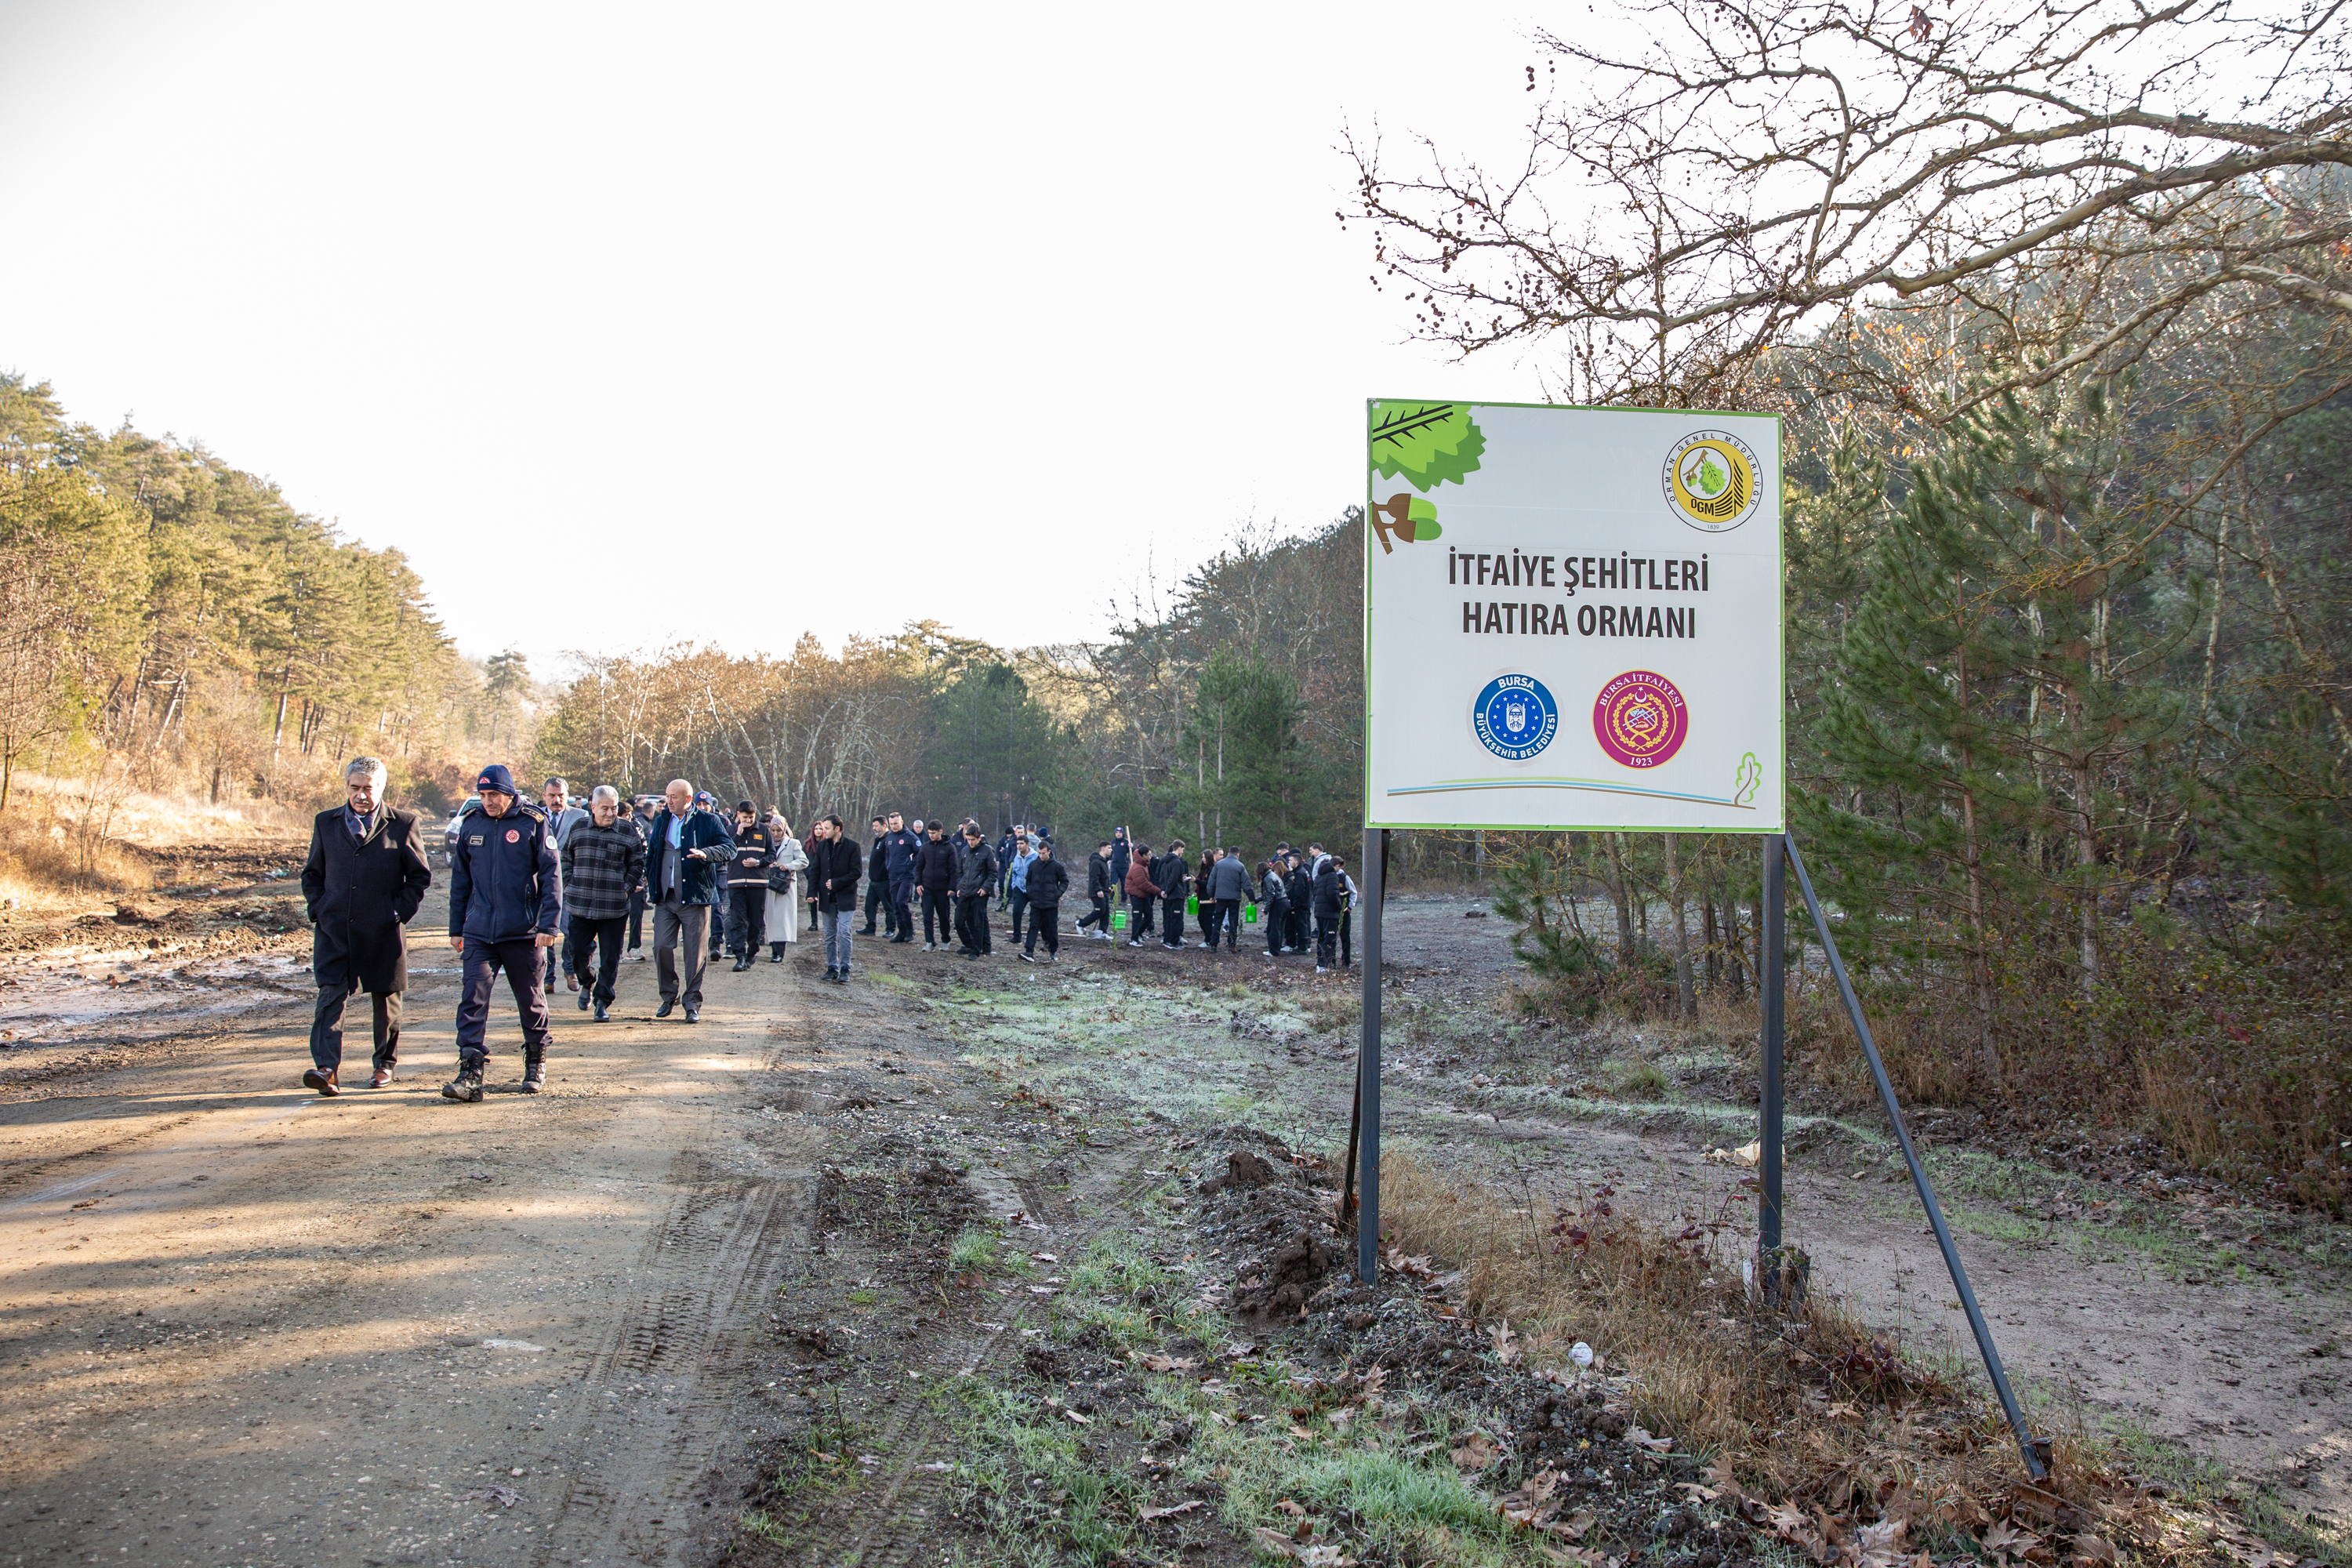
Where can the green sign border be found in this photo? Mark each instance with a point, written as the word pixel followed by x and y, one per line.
pixel 1781 653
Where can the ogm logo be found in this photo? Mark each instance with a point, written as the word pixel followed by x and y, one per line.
pixel 1640 719
pixel 1710 480
pixel 1514 717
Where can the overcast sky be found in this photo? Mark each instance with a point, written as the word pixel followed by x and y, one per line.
pixel 634 323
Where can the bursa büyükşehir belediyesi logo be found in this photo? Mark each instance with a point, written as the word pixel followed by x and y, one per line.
pixel 1514 717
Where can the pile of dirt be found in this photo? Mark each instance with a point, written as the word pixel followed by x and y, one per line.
pixel 1558 1452
pixel 1275 1212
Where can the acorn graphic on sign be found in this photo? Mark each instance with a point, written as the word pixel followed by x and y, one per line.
pixel 1425 444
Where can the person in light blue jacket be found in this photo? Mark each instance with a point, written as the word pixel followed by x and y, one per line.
pixel 1016 879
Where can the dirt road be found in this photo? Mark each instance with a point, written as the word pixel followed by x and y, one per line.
pixel 242 1324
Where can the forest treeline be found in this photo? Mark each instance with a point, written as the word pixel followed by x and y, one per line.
pixel 1232 715
pixel 169 622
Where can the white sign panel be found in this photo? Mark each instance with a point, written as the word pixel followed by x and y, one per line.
pixel 1572 618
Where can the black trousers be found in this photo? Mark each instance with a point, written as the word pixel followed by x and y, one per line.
pixel 878 901
pixel 1171 918
pixel 1139 917
pixel 1099 918
pixel 902 906
pixel 1277 924
pixel 1228 924
pixel 1046 920
pixel 1326 936
pixel 636 919
pixel 1346 931
pixel 597 941
pixel 939 902
pixel 972 916
pixel 1210 917
pixel 525 970
pixel 327 1026
pixel 1296 935
pixel 747 917
pixel 1018 901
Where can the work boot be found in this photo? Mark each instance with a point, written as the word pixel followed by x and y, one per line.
pixel 534 1076
pixel 467 1086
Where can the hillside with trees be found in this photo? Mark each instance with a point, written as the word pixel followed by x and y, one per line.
pixel 171 623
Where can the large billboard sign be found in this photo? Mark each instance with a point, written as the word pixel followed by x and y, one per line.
pixel 1572 618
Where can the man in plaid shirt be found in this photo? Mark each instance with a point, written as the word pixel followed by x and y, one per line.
pixel 604 863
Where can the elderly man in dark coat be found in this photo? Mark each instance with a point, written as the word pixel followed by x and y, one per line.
pixel 363 882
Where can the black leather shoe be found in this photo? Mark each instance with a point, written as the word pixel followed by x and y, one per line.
pixel 602 1015
pixel 584 999
pixel 693 1016
pixel 663 1011
pixel 740 965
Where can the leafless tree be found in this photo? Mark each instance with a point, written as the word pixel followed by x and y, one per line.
pixel 1762 170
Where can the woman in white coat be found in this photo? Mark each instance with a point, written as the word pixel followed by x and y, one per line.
pixel 783 910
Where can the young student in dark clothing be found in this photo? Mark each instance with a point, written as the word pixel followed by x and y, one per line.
pixel 1175 879
pixel 1330 904
pixel 975 880
pixel 878 881
pixel 1204 905
pixel 1101 888
pixel 1046 881
pixel 1302 903
pixel 1276 894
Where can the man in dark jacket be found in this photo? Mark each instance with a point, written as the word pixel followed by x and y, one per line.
pixel 603 865
pixel 1044 883
pixel 834 861
pixel 935 874
pixel 975 879
pixel 1228 884
pixel 747 885
pixel 684 847
pixel 505 898
pixel 1174 878
pixel 365 876
pixel 1100 885
pixel 1330 905
pixel 899 850
pixel 1302 903
pixel 878 881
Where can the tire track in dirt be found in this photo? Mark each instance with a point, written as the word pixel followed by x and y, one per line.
pixel 894 1516
pixel 888 1529
pixel 647 1490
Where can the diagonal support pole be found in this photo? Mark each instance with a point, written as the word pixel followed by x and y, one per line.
pixel 2033 1449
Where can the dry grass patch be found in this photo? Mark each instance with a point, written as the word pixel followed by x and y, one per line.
pixel 1818 1427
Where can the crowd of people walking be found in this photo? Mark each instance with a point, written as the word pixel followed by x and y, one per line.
pixel 562 886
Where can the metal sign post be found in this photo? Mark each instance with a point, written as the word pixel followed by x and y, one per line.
pixel 1368 1060
pixel 2035 1450
pixel 1774 981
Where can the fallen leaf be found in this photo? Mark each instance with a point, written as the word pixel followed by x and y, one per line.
pixel 1150 1514
pixel 2094 1549
pixel 1507 1345
pixel 1476 1452
pixel 1081 1420
pixel 1573 1527
pixel 1641 1439
pixel 1161 1362
pixel 1290 1508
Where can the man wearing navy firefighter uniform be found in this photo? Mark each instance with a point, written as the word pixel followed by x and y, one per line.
pixel 506 902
